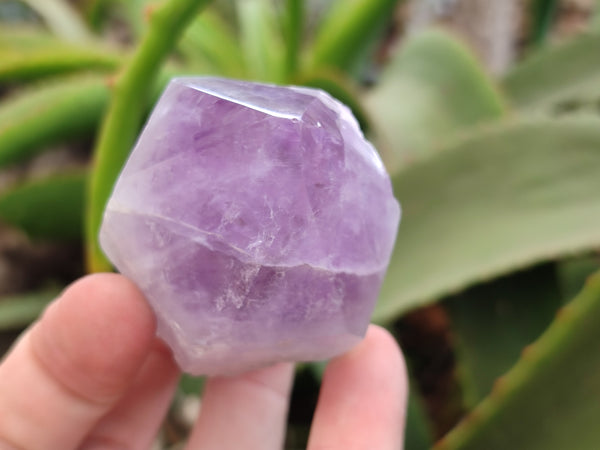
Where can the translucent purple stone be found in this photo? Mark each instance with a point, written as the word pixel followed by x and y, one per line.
pixel 258 222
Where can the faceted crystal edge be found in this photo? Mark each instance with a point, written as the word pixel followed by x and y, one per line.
pixel 186 81
pixel 239 252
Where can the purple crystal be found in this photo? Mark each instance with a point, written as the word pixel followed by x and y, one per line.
pixel 258 222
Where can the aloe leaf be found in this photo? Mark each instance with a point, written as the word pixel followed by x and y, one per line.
pixel 210 40
pixel 47 208
pixel 549 399
pixel 37 117
pixel 44 115
pixel 17 65
pixel 25 37
pixel 18 311
pixel 261 40
pixel 572 273
pixel 27 53
pixel 433 88
pixel 418 434
pixel 62 19
pixel 493 322
pixel 542 16
pixel 501 199
pixel 293 26
pixel 348 31
pixel 557 78
pixel 596 17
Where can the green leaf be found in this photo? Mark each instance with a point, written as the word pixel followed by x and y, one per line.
pixel 493 322
pixel 348 32
pixel 557 78
pixel 17 65
pixel 40 116
pixel 210 41
pixel 572 273
pixel 129 14
pixel 261 40
pixel 293 27
pixel 48 208
pixel 542 17
pixel 25 38
pixel 549 400
pixel 419 435
pixel 596 17
pixel 18 311
pixel 502 199
pixel 433 88
pixel 62 19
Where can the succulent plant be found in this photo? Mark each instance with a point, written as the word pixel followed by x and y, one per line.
pixel 498 177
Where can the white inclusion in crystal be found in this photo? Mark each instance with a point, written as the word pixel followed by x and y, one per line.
pixel 236 293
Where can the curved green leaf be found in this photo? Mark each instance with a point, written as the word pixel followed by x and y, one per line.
pixel 542 13
pixel 18 66
pixel 293 28
pixel 44 115
pixel 25 38
pixel 48 208
pixel 210 41
pixel 502 199
pixel 549 400
pixel 572 273
pixel 433 88
pixel 596 17
pixel 261 40
pixel 418 433
pixel 62 19
pixel 348 31
pixel 493 322
pixel 557 78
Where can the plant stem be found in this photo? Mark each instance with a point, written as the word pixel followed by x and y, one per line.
pixel 131 91
pixel 293 35
pixel 348 31
pixel 543 13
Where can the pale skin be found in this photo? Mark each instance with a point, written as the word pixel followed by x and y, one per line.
pixel 90 374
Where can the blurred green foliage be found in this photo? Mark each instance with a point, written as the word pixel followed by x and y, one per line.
pixel 499 177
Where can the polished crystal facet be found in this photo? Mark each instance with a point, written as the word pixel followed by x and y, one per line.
pixel 258 222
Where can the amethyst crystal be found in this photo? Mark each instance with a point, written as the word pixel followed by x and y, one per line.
pixel 258 222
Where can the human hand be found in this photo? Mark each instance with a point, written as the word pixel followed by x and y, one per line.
pixel 90 374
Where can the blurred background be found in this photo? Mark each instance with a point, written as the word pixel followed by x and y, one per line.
pixel 486 114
